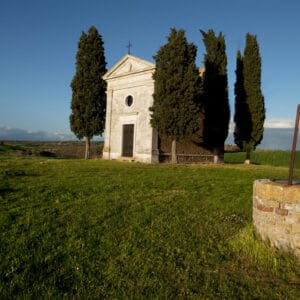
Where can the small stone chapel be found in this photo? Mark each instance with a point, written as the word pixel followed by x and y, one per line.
pixel 128 132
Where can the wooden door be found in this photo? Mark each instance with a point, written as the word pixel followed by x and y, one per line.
pixel 128 134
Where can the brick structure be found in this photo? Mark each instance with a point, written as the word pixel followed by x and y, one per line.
pixel 276 213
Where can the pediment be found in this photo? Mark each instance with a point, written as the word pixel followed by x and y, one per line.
pixel 127 65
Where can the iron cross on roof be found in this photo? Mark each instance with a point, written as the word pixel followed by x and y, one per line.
pixel 129 46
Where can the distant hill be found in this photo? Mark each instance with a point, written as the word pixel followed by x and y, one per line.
pixel 17 134
pixel 274 138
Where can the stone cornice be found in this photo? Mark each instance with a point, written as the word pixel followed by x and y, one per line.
pixel 143 67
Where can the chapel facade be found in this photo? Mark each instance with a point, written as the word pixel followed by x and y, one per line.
pixel 128 132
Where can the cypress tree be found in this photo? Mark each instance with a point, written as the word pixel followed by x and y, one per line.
pixel 175 110
pixel 242 117
pixel 88 102
pixel 215 92
pixel 249 101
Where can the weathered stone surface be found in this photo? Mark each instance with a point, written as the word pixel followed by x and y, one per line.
pixel 276 213
pixel 131 76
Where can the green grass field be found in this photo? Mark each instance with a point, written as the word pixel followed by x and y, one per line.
pixel 110 230
pixel 279 158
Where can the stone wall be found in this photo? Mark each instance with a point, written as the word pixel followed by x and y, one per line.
pixel 189 150
pixel 276 213
pixel 130 77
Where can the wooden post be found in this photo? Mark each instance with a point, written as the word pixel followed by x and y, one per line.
pixel 294 146
pixel 174 151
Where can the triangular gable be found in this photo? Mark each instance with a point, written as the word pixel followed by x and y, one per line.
pixel 127 65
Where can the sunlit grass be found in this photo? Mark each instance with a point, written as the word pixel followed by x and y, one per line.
pixel 100 229
pixel 272 158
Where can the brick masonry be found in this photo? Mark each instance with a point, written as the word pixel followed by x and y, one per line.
pixel 276 213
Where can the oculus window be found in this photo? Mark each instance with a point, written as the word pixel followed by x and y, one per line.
pixel 129 100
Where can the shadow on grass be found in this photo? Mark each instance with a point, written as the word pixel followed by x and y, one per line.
pixel 242 163
pixel 13 174
pixel 6 190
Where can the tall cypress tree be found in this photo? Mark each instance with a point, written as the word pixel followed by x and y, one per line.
pixel 215 92
pixel 249 101
pixel 175 110
pixel 88 102
pixel 242 117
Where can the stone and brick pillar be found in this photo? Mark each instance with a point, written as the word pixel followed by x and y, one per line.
pixel 276 213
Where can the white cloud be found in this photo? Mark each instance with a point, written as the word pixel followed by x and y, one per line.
pixel 279 123
pixel 270 123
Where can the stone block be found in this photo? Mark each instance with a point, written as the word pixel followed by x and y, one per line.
pixel 267 190
pixel 288 206
pixel 297 207
pixel 276 213
pixel 291 193
pixel 290 219
pixel 297 217
pixel 295 228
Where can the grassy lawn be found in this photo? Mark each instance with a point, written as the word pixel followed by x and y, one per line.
pixel 274 158
pixel 110 230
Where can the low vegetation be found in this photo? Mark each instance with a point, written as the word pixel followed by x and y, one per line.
pixel 66 149
pixel 279 158
pixel 110 230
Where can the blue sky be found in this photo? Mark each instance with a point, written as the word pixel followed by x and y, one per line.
pixel 39 44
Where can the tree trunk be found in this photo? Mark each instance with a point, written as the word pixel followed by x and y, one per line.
pixel 174 152
pixel 218 155
pixel 248 154
pixel 216 158
pixel 87 148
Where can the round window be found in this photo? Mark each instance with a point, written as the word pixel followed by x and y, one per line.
pixel 129 100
